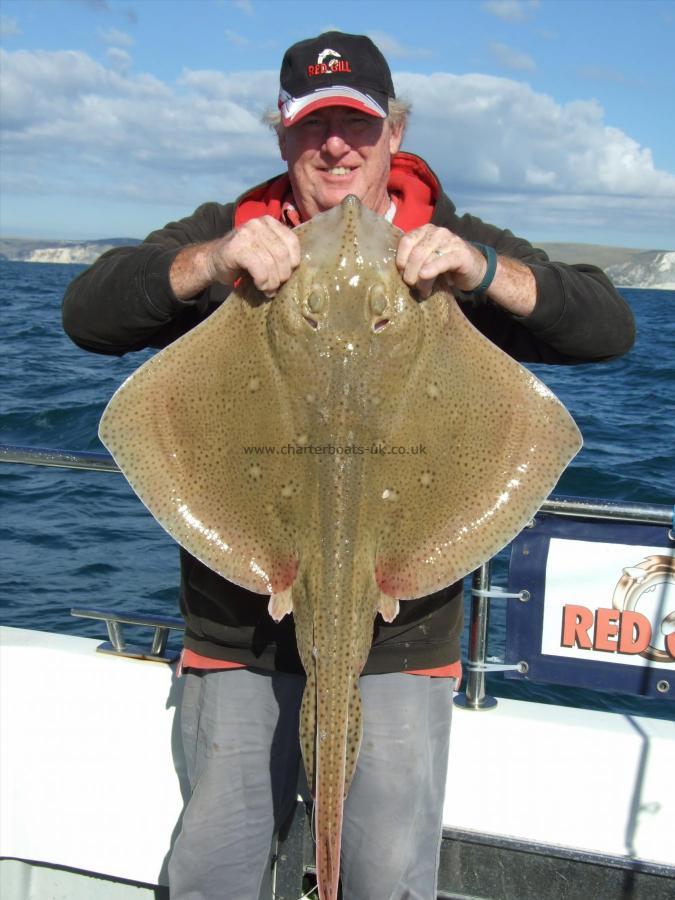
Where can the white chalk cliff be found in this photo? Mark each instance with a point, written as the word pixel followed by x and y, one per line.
pixel 652 269
pixel 77 253
pixel 646 270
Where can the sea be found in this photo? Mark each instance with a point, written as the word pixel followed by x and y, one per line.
pixel 82 539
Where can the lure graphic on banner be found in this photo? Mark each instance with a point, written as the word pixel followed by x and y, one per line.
pixel 625 612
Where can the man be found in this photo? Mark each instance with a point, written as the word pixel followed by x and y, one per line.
pixel 339 130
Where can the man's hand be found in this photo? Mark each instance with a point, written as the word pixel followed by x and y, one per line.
pixel 264 248
pixel 429 251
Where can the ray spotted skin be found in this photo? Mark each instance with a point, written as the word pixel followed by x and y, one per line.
pixel 397 450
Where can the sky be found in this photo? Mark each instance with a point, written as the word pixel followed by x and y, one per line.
pixel 554 118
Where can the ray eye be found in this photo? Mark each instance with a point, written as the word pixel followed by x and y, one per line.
pixel 380 324
pixel 378 300
pixel 316 300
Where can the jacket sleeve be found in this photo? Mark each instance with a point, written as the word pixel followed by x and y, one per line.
pixel 579 315
pixel 124 300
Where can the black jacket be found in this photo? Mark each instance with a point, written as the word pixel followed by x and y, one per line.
pixel 124 302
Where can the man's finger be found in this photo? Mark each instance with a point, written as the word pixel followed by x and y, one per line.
pixel 417 250
pixel 282 250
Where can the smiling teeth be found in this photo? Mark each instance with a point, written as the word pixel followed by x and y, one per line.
pixel 339 170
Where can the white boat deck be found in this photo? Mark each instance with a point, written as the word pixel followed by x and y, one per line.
pixel 91 767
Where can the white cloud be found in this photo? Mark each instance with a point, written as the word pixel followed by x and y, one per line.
pixel 120 60
pixel 245 6
pixel 521 160
pixel 116 37
pixel 609 74
pixel 496 130
pixel 394 49
pixel 66 113
pixel 235 38
pixel 511 10
pixel 9 26
pixel 98 5
pixel 511 59
pixel 75 127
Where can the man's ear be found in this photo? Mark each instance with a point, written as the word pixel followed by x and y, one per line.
pixel 395 137
pixel 282 143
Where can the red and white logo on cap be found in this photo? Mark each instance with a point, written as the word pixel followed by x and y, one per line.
pixel 328 61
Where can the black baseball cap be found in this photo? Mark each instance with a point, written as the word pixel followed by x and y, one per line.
pixel 334 69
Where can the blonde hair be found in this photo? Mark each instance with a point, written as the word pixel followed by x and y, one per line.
pixel 399 111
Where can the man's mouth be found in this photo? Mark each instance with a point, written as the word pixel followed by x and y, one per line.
pixel 339 170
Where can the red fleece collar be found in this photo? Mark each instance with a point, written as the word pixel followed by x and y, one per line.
pixel 415 189
pixel 413 186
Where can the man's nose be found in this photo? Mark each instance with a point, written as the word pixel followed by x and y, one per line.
pixel 335 141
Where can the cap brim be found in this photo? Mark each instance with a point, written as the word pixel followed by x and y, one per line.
pixel 293 109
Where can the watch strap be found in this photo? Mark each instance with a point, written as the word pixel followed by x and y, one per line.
pixel 490 255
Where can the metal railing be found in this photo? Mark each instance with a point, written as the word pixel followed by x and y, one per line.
pixel 475 697
pixel 63 459
pixel 652 514
pixel 119 646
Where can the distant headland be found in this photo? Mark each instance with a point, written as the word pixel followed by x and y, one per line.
pixel 627 267
pixel 56 251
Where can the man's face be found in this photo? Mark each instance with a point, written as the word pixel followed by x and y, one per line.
pixel 338 151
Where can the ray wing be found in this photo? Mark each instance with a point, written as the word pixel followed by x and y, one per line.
pixel 198 432
pixel 491 443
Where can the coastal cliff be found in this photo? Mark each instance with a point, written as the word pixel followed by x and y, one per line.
pixel 653 269
pixel 46 251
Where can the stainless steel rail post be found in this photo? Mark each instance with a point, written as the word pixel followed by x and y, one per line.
pixel 475 697
pixel 117 645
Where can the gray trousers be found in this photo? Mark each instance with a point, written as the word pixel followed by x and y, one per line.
pixel 240 735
